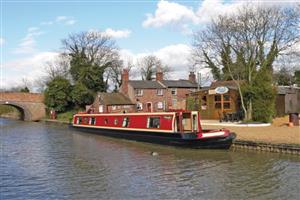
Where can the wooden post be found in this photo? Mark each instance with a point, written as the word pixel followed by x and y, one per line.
pixel 222 107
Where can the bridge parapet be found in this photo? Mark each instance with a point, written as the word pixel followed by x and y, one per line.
pixel 31 104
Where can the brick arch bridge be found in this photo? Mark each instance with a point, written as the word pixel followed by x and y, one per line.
pixel 30 105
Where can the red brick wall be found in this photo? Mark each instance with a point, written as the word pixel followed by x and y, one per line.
pixel 180 97
pixel 19 96
pixel 149 95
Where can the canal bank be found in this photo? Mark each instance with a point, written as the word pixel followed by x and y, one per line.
pixel 285 140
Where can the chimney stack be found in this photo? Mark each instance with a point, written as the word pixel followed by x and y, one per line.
pixel 159 75
pixel 192 77
pixel 125 79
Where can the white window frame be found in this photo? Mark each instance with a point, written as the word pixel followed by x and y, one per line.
pixel 174 90
pixel 113 107
pixel 139 106
pixel 101 108
pixel 159 92
pixel 139 92
pixel 160 105
pixel 174 104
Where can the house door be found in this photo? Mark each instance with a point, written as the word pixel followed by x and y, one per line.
pixel 100 108
pixel 149 107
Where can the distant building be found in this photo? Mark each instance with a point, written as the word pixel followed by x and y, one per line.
pixel 287 100
pixel 112 103
pixel 212 105
pixel 159 94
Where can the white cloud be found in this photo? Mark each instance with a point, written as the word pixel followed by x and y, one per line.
pixel 65 20
pixel 47 23
pixel 175 56
pixel 29 68
pixel 169 13
pixel 213 8
pixel 125 33
pixel 117 33
pixel 2 41
pixel 70 22
pixel 179 16
pixel 28 43
pixel 61 18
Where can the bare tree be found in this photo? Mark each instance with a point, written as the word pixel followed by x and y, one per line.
pixel 149 65
pixel 114 73
pixel 238 47
pixel 91 54
pixel 59 67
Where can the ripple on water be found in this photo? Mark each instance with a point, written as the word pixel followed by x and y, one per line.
pixel 40 161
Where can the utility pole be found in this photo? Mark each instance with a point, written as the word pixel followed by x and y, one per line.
pixel 199 80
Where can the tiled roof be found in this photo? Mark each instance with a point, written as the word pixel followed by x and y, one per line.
pixel 287 89
pixel 114 99
pixel 229 84
pixel 146 84
pixel 179 84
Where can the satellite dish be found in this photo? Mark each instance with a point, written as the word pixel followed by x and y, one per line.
pixel 221 90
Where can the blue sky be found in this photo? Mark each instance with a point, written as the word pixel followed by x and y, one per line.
pixel 31 31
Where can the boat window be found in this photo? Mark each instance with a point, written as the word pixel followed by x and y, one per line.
pixel 86 120
pixel 116 122
pixel 105 121
pixel 79 120
pixel 125 122
pixel 153 122
pixel 92 120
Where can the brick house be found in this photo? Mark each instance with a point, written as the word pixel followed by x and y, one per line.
pixel 159 94
pixel 111 103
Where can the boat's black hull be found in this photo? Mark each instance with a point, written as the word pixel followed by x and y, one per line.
pixel 164 138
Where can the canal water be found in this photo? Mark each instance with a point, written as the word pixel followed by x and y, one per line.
pixel 49 161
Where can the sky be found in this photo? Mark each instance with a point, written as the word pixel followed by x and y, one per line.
pixel 31 31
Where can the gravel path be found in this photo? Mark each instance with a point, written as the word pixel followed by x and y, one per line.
pixel 277 133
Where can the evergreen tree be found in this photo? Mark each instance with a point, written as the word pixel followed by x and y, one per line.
pixel 57 94
pixel 25 89
pixel 81 96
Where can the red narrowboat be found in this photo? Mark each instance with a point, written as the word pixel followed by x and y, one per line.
pixel 178 128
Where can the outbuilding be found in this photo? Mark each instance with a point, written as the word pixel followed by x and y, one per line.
pixel 221 98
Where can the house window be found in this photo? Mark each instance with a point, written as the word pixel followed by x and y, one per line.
pixel 174 91
pixel 174 102
pixel 138 92
pixel 160 105
pixel 114 107
pixel 125 122
pixel 153 122
pixel 139 106
pixel 226 101
pixel 159 92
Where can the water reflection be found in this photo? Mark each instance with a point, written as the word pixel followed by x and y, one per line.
pixel 50 161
